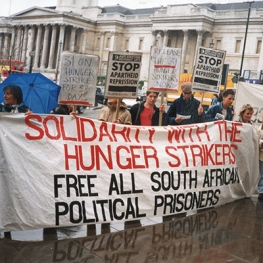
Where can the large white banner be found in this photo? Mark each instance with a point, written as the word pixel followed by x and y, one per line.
pixel 61 171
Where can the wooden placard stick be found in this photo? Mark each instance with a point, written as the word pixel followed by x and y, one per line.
pixel 160 113
pixel 118 109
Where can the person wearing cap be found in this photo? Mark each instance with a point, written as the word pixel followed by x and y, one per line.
pixel 223 110
pixel 186 109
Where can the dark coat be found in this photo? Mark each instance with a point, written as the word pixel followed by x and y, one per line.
pixel 137 109
pixel 21 108
pixel 213 110
pixel 182 107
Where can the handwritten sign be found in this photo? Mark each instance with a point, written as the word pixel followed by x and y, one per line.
pixel 164 68
pixel 78 78
pixel 208 70
pixel 123 74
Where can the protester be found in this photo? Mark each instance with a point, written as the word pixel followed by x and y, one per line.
pixel 108 113
pixel 245 114
pixel 13 100
pixel 63 109
pixel 214 99
pixel 186 109
pixel 223 110
pixel 147 113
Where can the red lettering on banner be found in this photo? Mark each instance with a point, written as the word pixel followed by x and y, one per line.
pixel 168 150
pixel 34 126
pixel 124 132
pixel 201 155
pixel 229 134
pixel 143 153
pixel 182 134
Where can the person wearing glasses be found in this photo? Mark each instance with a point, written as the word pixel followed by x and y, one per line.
pixel 186 109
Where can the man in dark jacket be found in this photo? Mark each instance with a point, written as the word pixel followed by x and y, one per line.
pixel 146 113
pixel 223 110
pixel 186 109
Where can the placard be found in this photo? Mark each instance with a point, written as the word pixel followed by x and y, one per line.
pixel 208 70
pixel 123 74
pixel 78 79
pixel 164 68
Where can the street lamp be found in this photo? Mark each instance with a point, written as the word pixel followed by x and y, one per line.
pixel 245 39
pixel 32 55
pixel 212 44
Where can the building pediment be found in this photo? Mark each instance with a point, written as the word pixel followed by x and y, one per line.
pixel 36 11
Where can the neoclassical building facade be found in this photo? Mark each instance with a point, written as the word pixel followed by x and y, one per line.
pixel 82 26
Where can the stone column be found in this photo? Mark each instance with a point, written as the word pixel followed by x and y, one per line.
pixel 159 38
pixel 59 47
pixel 165 38
pixel 6 44
pixel 102 33
pixel 45 48
pixel 260 61
pixel 38 46
pixel 18 44
pixel 52 47
pixel 184 49
pixel 25 42
pixel 72 39
pixel 61 33
pixel 154 38
pixel 12 44
pixel 1 44
pixel 31 41
pixel 84 41
pixel 113 41
pixel 198 42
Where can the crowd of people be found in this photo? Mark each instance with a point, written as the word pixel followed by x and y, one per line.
pixel 184 110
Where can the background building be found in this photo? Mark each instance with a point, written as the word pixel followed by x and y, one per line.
pixel 84 27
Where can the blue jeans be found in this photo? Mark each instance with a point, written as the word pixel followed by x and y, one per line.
pixel 260 183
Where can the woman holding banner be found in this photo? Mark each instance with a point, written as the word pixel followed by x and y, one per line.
pixel 245 115
pixel 13 100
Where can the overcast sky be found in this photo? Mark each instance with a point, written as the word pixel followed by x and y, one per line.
pixel 9 7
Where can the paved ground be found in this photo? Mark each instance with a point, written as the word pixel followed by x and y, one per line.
pixel 230 233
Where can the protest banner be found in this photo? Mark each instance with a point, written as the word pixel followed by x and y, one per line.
pixel 58 171
pixel 78 78
pixel 164 69
pixel 123 74
pixel 248 93
pixel 208 70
